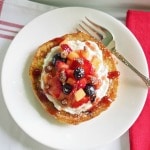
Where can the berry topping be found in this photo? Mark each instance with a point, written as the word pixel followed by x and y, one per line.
pixel 72 76
pixel 113 74
pixel 80 61
pixel 81 83
pixel 76 63
pixel 83 63
pixel 66 47
pixel 55 91
pixel 67 88
pixel 57 57
pixel 88 67
pixel 78 73
pixel 61 65
pixel 89 90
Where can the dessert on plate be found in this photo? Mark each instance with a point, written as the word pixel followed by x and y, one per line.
pixel 74 77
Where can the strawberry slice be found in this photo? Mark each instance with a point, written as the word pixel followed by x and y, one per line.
pixel 55 88
pixel 79 103
pixel 61 65
pixel 83 63
pixel 69 73
pixel 88 67
pixel 66 47
pixel 71 81
pixel 76 63
pixel 81 83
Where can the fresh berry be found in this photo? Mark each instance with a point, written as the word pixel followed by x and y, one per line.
pixel 83 63
pixel 71 81
pixel 55 91
pixel 88 67
pixel 77 63
pixel 89 90
pixel 81 83
pixel 65 47
pixel 67 88
pixel 57 57
pixel 69 73
pixel 94 80
pixel 61 65
pixel 78 73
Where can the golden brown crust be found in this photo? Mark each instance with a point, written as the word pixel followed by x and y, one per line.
pixel 36 69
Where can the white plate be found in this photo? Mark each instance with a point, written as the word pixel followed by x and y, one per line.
pixel 28 113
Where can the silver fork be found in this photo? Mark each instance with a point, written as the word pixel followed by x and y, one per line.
pixel 106 37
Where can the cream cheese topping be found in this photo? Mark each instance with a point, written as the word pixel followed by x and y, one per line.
pixel 102 74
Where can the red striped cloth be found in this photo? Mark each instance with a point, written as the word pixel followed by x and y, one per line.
pixel 139 24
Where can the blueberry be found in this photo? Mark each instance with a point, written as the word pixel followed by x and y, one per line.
pixel 89 90
pixel 79 73
pixel 67 88
pixel 57 57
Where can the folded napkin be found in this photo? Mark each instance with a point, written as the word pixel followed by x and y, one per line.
pixel 139 24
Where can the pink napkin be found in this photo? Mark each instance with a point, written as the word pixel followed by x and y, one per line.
pixel 139 24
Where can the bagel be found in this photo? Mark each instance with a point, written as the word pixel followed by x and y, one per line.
pixel 67 77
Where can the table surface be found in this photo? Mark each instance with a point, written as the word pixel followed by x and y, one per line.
pixel 11 136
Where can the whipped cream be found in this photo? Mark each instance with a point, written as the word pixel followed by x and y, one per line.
pixel 102 74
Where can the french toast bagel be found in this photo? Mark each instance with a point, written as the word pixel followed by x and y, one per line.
pixel 67 84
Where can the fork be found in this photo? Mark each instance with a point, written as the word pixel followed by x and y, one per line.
pixel 106 37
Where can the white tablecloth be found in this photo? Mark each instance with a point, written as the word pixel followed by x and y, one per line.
pixel 13 16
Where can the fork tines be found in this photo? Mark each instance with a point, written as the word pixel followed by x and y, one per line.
pixel 97 32
pixel 92 28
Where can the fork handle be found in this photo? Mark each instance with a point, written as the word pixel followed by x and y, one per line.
pixel 127 63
